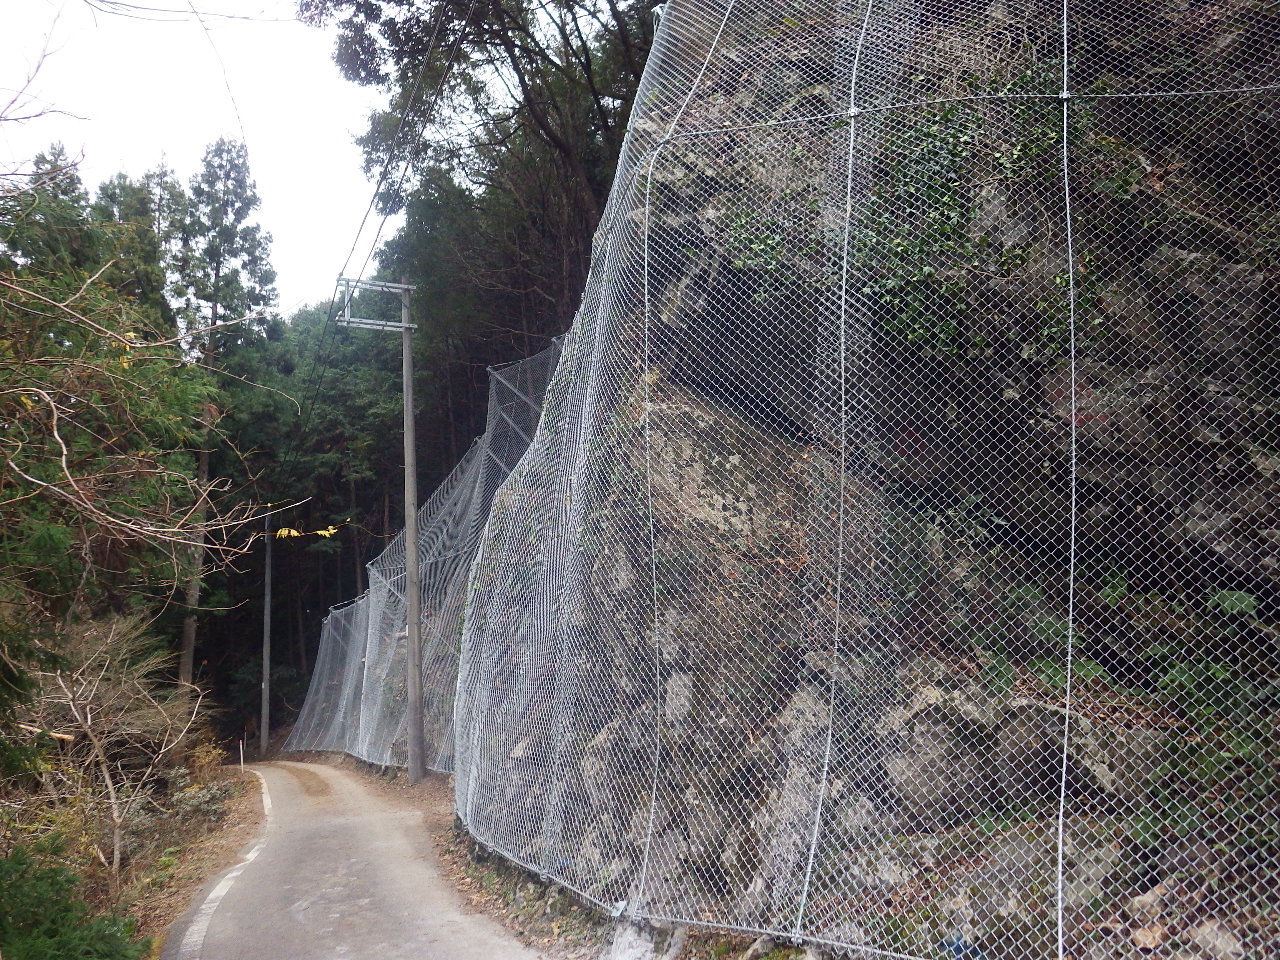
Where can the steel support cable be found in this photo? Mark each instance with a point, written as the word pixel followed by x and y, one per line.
pixel 647 311
pixel 837 618
pixel 328 326
pixel 1060 866
pixel 408 165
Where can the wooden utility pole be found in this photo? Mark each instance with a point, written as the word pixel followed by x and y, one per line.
pixel 264 727
pixel 413 589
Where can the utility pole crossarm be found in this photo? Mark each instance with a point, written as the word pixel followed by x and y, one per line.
pixel 358 283
pixel 350 285
pixel 374 324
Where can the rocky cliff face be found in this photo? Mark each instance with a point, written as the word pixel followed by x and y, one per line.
pixel 929 780
pixel 902 556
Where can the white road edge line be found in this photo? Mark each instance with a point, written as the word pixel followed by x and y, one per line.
pixel 193 941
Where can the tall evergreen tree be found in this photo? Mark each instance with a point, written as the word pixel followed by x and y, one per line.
pixel 145 220
pixel 226 287
pixel 225 274
pixel 44 226
pixel 100 414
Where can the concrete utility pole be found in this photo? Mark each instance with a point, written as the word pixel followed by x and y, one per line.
pixel 413 589
pixel 264 726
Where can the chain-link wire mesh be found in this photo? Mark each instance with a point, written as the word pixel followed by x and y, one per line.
pixel 357 701
pixel 895 564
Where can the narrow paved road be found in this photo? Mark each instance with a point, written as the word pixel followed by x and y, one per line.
pixel 338 874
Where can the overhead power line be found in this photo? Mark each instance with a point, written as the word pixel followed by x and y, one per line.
pixel 222 64
pixel 138 11
pixel 329 329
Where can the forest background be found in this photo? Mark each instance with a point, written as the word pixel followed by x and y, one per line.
pixel 155 407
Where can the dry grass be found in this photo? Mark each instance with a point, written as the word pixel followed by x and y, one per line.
pixel 161 894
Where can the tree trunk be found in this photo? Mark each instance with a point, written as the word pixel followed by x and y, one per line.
pixel 448 401
pixel 191 594
pixel 300 621
pixel 357 541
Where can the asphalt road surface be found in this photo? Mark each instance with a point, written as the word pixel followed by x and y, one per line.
pixel 337 874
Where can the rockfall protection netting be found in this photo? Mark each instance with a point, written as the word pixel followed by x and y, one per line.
pixel 357 701
pixel 895 565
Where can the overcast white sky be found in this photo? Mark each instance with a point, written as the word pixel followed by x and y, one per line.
pixel 136 92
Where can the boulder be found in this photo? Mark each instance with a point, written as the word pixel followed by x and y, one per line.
pixel 937 750
pixel 1216 940
pixel 1104 762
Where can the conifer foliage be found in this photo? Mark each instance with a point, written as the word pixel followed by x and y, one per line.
pixel 117 315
